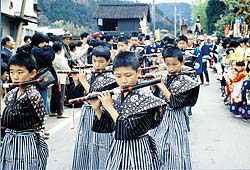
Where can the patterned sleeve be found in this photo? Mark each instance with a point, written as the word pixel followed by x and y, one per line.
pixel 184 99
pixel 135 125
pixel 38 104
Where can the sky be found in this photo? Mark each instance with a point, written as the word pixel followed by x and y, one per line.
pixel 165 1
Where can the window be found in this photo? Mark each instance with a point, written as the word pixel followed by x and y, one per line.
pixel 11 5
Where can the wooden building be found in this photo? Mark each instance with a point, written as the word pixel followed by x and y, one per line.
pixel 127 18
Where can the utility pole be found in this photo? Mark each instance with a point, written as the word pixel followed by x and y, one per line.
pixel 153 17
pixel 175 19
pixel 180 22
pixel 20 27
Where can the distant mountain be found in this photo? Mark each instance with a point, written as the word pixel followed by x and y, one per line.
pixel 67 10
pixel 80 12
pixel 181 8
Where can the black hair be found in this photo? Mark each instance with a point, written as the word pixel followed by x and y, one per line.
pixel 228 51
pixel 23 59
pixel 174 52
pixel 134 34
pixel 84 35
pixel 168 42
pixel 245 40
pixel 72 46
pixel 5 40
pixel 26 38
pixel 126 59
pixel 240 63
pixel 38 38
pixel 4 68
pixel 248 69
pixel 57 46
pixel 225 42
pixel 78 43
pixel 24 48
pixel 189 31
pixel 123 39
pixel 147 37
pixel 141 38
pixel 182 38
pixel 101 51
pixel 234 43
pixel 108 37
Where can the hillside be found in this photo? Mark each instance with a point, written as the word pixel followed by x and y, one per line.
pixel 183 8
pixel 80 12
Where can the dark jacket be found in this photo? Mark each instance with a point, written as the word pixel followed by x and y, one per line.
pixel 44 57
pixel 5 55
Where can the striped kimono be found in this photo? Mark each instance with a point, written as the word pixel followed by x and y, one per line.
pixel 91 149
pixel 23 148
pixel 171 135
pixel 132 148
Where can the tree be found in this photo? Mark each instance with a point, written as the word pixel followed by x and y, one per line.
pixel 214 9
pixel 235 8
pixel 199 9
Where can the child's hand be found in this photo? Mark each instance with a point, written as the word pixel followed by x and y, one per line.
pixel 161 85
pixel 106 100
pixel 82 76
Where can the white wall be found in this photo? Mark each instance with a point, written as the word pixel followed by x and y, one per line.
pixel 17 4
pixel 15 11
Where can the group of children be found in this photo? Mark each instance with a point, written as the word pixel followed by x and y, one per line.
pixel 233 72
pixel 139 129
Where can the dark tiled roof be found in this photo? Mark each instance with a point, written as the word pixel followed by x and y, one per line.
pixel 122 11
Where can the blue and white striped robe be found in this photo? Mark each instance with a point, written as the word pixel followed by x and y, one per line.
pixel 171 135
pixel 22 147
pixel 132 148
pixel 91 149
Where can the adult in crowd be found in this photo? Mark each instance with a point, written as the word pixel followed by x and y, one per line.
pixel 8 44
pixel 44 55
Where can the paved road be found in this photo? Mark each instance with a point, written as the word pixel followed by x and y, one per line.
pixel 218 141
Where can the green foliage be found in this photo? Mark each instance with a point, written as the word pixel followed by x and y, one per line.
pixel 213 11
pixel 229 15
pixel 68 11
pixel 199 9
pixel 76 15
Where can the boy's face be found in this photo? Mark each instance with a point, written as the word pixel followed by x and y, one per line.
pixel 20 73
pixel 152 40
pixel 134 41
pixel 125 76
pixel 182 45
pixel 121 47
pixel 190 41
pixel 66 41
pixel 99 63
pixel 173 64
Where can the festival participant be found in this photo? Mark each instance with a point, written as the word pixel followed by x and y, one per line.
pixel 91 149
pixel 171 135
pixel 236 100
pixel 130 116
pixel 246 95
pixel 22 147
